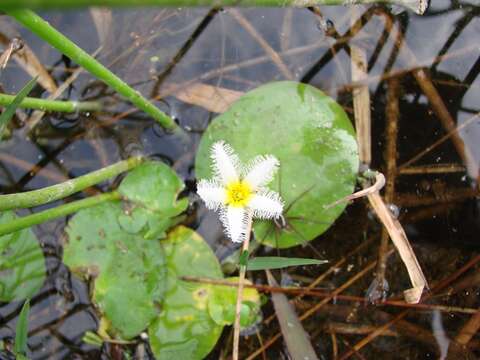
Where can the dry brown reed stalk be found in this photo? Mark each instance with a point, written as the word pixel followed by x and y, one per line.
pixel 276 59
pixel 400 240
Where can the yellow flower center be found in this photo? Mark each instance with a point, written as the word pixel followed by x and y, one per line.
pixel 238 194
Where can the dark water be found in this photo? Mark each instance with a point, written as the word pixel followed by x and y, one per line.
pixel 155 49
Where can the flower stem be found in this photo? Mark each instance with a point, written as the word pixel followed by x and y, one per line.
pixel 418 6
pixel 59 211
pixel 52 105
pixel 59 191
pixel 241 281
pixel 45 31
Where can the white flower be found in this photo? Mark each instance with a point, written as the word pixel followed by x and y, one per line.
pixel 238 192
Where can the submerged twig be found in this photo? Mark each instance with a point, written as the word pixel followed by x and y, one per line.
pixel 277 60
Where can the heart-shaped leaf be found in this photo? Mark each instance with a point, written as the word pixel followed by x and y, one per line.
pixel 315 142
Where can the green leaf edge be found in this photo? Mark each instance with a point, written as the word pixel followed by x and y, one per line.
pixel 276 262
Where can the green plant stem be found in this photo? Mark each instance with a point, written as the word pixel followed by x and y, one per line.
pixel 56 192
pixel 45 31
pixel 59 211
pixel 416 5
pixel 51 105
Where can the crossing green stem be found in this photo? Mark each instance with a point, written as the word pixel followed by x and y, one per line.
pixel 45 31
pixel 59 191
pixel 51 105
pixel 56 212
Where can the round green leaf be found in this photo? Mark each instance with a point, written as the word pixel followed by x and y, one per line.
pixel 22 266
pixel 315 142
pixel 151 190
pixel 185 329
pixel 128 270
pixel 155 186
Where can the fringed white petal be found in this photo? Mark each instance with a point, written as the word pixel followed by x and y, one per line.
pixel 266 205
pixel 260 171
pixel 211 193
pixel 235 221
pixel 226 164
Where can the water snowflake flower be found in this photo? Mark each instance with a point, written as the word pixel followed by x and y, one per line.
pixel 239 192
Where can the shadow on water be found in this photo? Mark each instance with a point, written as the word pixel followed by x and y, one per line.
pixel 163 51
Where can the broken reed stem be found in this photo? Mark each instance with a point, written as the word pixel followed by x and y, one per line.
pixel 56 212
pixel 241 284
pixel 418 6
pixel 59 191
pixel 400 240
pixel 52 105
pixel 44 30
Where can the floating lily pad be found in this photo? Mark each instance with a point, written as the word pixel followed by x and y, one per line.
pixel 22 266
pixel 151 190
pixel 193 314
pixel 315 142
pixel 128 270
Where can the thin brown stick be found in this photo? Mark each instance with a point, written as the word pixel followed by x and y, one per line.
pixel 432 169
pixel 277 60
pixel 440 141
pixel 305 291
